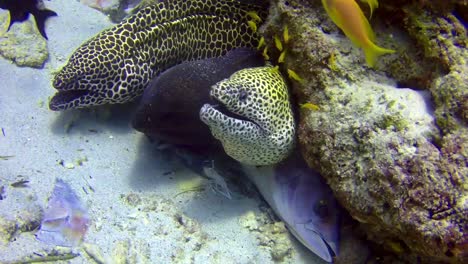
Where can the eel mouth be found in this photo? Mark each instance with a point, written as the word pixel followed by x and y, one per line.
pixel 63 99
pixel 218 105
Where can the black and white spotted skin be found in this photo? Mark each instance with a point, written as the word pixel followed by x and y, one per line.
pixel 116 65
pixel 263 131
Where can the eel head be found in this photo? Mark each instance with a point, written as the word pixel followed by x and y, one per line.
pixel 253 119
pixel 97 73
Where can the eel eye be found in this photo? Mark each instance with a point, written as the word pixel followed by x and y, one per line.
pixel 242 95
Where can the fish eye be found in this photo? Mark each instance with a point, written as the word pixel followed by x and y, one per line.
pixel 242 95
pixel 321 209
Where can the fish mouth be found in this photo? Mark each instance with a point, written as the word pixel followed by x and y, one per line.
pixel 63 100
pixel 218 105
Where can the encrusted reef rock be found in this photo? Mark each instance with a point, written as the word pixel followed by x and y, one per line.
pixel 392 142
pixel 22 44
pixel 271 235
pixel 20 212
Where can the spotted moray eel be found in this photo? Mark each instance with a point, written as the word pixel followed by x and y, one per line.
pixel 116 65
pixel 263 129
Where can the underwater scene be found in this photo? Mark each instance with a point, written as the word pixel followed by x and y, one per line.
pixel 233 131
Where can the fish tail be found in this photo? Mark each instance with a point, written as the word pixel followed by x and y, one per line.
pixel 41 16
pixel 6 27
pixel 372 52
pixel 373 4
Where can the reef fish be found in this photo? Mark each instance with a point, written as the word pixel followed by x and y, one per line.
pixel 348 16
pixel 20 10
pixel 65 220
pixel 302 199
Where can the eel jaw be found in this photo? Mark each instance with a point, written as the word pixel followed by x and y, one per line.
pixel 69 94
pixel 219 116
pixel 63 100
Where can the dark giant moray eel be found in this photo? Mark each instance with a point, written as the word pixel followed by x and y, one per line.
pixel 117 64
pixel 169 108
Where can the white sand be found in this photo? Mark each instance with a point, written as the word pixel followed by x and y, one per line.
pixel 195 227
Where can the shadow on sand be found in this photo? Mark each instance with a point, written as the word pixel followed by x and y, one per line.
pixel 114 118
pixel 157 169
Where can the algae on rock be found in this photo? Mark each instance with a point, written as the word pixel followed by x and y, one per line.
pixel 444 40
pixel 23 44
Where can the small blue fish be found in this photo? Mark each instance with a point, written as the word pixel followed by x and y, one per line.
pixel 302 199
pixel 65 220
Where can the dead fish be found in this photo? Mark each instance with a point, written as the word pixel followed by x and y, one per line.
pixel 65 220
pixel 20 10
pixel 302 199
pixel 298 195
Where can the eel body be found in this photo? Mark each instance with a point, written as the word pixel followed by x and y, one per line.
pixel 170 105
pixel 117 64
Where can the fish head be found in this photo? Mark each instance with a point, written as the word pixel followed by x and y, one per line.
pixel 306 204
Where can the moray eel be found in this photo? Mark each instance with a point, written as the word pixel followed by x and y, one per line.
pixel 262 129
pixel 170 106
pixel 117 64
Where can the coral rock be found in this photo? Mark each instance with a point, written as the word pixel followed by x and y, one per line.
pixel 397 166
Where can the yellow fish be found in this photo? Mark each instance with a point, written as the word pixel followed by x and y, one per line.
pixel 310 106
pixel 254 15
pixel 286 34
pixel 252 25
pixel 278 43
pixel 348 16
pixel 293 75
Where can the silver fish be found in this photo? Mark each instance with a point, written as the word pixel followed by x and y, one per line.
pixel 302 199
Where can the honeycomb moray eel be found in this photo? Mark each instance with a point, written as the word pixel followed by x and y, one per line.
pixel 116 65
pixel 263 129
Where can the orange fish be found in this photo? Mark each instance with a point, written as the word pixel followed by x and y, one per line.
pixel 348 16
